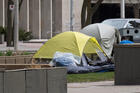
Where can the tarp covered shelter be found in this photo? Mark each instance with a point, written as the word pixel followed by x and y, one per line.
pixel 106 36
pixel 69 42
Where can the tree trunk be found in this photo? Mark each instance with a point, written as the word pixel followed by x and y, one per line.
pixel 9 31
pixel 83 13
pixel 10 23
pixel 20 3
pixel 90 12
pixel 95 8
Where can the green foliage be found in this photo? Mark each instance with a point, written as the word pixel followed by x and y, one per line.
pixel 9 53
pixel 26 53
pixel 2 30
pixel 90 77
pixel 25 36
pixel 1 53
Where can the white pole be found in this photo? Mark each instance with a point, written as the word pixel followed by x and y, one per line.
pixel 122 8
pixel 16 30
pixel 39 19
pixel 3 13
pixel 71 15
pixel 28 29
pixel 51 17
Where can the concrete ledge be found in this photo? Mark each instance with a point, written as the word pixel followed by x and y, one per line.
pixel 127 45
pixel 49 80
pixel 36 41
pixel 20 59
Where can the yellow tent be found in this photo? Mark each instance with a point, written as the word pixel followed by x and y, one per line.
pixel 68 42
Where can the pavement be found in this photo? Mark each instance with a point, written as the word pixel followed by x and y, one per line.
pixel 90 87
pixel 102 87
pixel 31 46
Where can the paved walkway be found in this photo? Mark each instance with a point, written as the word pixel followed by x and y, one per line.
pixel 101 87
pixel 23 46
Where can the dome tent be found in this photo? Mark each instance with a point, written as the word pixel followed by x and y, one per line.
pixel 106 35
pixel 68 42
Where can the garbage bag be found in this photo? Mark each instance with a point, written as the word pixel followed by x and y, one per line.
pixel 65 59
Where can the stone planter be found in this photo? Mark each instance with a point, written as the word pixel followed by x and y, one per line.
pixel 127 64
pixel 49 80
pixel 19 59
pixel 1 38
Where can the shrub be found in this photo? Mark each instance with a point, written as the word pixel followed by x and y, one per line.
pixel 2 30
pixel 25 36
pixel 26 53
pixel 9 53
pixel 1 53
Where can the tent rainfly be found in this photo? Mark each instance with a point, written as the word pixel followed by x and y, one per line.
pixel 106 35
pixel 69 42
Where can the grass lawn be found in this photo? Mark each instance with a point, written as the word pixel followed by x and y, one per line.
pixel 90 77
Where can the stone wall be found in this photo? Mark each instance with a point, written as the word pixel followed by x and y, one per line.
pixel 21 59
pixel 47 80
pixel 127 64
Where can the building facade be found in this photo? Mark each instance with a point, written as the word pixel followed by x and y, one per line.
pixel 45 18
pixel 111 9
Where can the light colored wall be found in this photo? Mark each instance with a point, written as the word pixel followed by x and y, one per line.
pixel 1 12
pixel 77 14
pixel 60 18
pixel 45 19
pixel 118 1
pixel 77 6
pixel 65 15
pixel 57 17
pixel 23 16
pixel 34 17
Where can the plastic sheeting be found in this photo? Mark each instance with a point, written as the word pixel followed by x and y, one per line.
pixel 87 69
pixel 75 65
pixel 65 59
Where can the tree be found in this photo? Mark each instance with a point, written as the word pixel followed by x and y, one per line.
pixel 88 11
pixel 9 32
pixel 20 3
pixel 10 22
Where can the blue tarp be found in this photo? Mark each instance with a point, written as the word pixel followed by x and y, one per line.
pixel 86 69
pixel 126 42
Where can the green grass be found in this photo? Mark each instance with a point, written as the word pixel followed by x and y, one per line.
pixel 26 53
pixel 90 77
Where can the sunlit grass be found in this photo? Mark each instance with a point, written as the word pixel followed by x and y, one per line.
pixel 90 77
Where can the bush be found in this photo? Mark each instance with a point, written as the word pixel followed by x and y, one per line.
pixel 25 36
pixel 2 30
pixel 1 53
pixel 26 53
pixel 9 53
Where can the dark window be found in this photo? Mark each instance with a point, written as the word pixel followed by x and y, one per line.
pixel 136 31
pixel 127 31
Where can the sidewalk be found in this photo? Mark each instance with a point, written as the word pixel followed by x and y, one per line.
pixel 102 87
pixel 31 46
